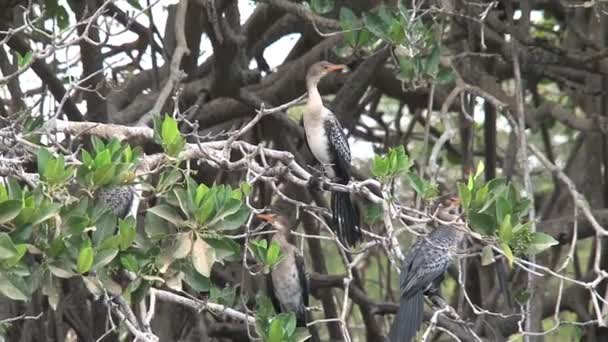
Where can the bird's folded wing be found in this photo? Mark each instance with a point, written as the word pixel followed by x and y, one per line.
pixel 339 148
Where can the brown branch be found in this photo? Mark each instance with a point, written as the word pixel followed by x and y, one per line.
pixel 175 73
pixel 306 14
pixel 47 76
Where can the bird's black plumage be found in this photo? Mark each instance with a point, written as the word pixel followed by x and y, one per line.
pixel 345 214
pixel 421 271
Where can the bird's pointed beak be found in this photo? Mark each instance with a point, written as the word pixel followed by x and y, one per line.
pixel 336 67
pixel 268 217
pixel 455 201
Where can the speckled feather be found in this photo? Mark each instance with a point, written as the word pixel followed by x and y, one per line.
pixel 118 199
pixel 428 259
pixel 339 149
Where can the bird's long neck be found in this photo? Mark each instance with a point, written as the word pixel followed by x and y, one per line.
pixel 314 105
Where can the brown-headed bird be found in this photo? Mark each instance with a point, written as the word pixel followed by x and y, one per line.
pixel 424 266
pixel 330 147
pixel 289 281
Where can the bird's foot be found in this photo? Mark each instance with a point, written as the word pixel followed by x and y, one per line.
pixel 435 297
pixel 315 183
pixel 316 179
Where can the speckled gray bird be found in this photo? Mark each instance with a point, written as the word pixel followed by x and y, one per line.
pixel 423 269
pixel 117 198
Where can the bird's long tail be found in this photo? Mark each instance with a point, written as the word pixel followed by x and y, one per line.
pixel 345 218
pixel 408 319
pixel 502 272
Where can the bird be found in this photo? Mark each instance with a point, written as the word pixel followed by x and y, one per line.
pixel 329 145
pixel 288 276
pixel 423 268
pixel 118 199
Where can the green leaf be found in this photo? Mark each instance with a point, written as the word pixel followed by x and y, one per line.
pixel 376 25
pixel 273 253
pixel 207 208
pixel 42 158
pixel 135 4
pixel 322 6
pixel 104 257
pixel 105 226
pixel 60 270
pixel 85 259
pixel 7 247
pixel 50 288
pixel 51 210
pixel 13 286
pixel 487 256
pixel 183 245
pixel 275 332
pixel 129 262
pixel 156 227
pixel 195 280
pixel 402 160
pixel 481 197
pixel 503 208
pixel 480 168
pixel 127 232
pixel 508 253
pixel 63 19
pixel 76 224
pixel 380 167
pixel 231 207
pixel 9 210
pixel 540 242
pixel 260 248
pixel 233 221
pixel 348 23
pixel 465 195
pixel 25 59
pixel 172 140
pixel 289 324
pixel 506 230
pixel 167 213
pixel 423 188
pixel 21 250
pixel 201 191
pixel 482 223
pixel 13 188
pixel 203 257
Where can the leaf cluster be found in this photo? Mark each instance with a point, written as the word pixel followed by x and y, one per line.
pixel 276 328
pixel 497 210
pixel 110 163
pixel 397 162
pixel 268 255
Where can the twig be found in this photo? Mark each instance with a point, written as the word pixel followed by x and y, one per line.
pixel 201 305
